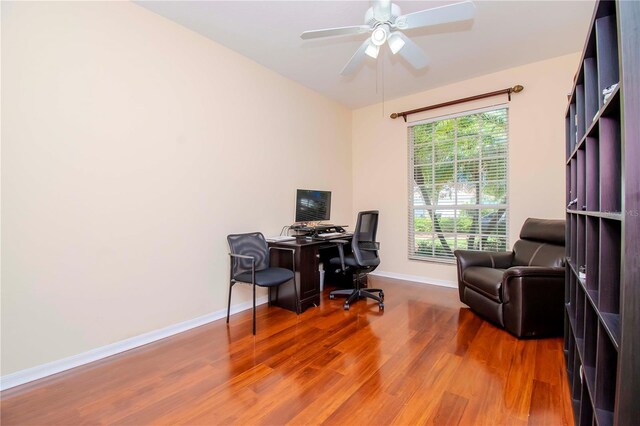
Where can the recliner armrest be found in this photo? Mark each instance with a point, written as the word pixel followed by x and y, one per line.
pixel 489 259
pixel 517 277
pixel 533 300
pixel 534 271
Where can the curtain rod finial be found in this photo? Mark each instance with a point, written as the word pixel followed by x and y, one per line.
pixel 517 88
pixel 394 115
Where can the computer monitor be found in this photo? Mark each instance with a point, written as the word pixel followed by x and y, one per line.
pixel 313 205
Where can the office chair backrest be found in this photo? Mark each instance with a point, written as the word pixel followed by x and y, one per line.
pixel 250 244
pixel 363 238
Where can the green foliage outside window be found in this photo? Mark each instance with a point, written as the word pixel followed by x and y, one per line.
pixel 459 169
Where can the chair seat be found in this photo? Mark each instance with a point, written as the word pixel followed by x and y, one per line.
pixel 349 260
pixel 267 277
pixel 369 258
pixel 487 281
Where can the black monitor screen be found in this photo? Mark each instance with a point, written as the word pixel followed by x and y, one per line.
pixel 313 206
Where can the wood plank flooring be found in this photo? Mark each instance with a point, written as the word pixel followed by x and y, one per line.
pixel 425 360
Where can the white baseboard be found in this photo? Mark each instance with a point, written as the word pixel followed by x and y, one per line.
pixel 48 369
pixel 44 370
pixel 417 279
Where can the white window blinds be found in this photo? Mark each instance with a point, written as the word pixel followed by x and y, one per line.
pixel 458 184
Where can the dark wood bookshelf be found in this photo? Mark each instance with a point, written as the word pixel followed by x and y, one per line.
pixel 602 295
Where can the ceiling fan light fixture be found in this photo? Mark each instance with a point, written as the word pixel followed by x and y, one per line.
pixel 379 35
pixel 372 50
pixel 384 22
pixel 395 42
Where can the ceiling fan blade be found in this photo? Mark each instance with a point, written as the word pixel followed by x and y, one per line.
pixel 438 15
pixel 328 32
pixel 381 10
pixel 356 59
pixel 411 52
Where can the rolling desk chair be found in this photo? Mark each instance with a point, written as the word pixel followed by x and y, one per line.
pixel 364 259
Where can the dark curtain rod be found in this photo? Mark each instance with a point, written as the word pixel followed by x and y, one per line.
pixel 515 89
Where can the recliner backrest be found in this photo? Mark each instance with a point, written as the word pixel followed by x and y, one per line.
pixel 541 243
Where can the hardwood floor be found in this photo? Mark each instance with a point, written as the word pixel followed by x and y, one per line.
pixel 425 360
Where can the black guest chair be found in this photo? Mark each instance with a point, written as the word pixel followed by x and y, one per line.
pixel 363 259
pixel 249 263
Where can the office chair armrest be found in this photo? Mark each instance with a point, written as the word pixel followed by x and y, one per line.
pixel 369 245
pixel 341 244
pixel 244 256
pixel 293 255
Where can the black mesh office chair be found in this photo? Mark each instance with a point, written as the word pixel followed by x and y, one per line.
pixel 249 263
pixel 363 259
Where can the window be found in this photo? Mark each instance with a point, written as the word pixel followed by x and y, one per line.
pixel 458 184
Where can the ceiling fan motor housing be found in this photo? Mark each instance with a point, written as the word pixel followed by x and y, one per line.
pixel 370 17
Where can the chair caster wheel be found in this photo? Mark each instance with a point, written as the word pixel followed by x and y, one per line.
pixel 331 296
pixel 381 306
pixel 346 307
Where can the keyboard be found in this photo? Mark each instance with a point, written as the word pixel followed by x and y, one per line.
pixel 280 238
pixel 330 234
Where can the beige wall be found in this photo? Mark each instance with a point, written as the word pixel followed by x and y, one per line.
pixel 536 152
pixel 125 138
pixel 131 147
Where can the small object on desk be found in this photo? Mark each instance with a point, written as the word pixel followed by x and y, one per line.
pixel 280 238
pixel 330 234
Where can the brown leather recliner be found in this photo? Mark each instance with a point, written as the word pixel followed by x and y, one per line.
pixel 521 290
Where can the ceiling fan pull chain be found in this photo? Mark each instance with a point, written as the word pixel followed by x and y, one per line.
pixel 382 65
pixel 377 75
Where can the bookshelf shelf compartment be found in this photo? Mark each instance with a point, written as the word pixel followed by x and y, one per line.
pixel 610 166
pixel 610 251
pixel 607 360
pixel 607 51
pixel 612 326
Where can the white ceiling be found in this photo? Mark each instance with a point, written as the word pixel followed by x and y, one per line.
pixel 503 34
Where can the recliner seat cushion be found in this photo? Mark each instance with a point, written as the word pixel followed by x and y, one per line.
pixel 487 281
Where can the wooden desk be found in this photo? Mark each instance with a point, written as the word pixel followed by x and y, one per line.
pixel 309 253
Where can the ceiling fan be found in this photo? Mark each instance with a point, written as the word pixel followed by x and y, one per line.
pixel 385 23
